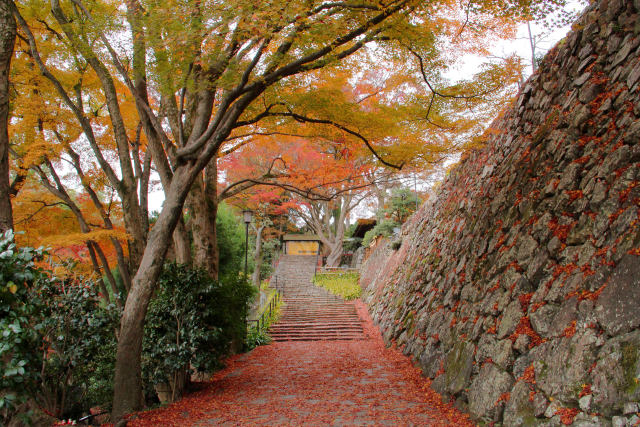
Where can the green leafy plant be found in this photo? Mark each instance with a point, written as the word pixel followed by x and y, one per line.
pixel 344 284
pixel 19 336
pixel 383 228
pixel 57 337
pixel 78 335
pixel 191 324
pixel 260 336
pixel 257 337
pixel 401 206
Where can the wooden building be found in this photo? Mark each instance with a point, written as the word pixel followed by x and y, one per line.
pixel 301 244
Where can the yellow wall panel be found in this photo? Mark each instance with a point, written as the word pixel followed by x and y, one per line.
pixel 302 248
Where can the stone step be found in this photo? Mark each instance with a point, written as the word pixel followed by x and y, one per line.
pixel 320 338
pixel 311 313
pixel 331 317
pixel 335 316
pixel 311 302
pixel 304 327
pixel 316 334
pixel 309 333
pixel 345 312
pixel 307 313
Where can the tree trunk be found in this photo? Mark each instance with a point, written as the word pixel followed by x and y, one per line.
pixel 128 381
pixel 202 223
pixel 257 257
pixel 96 269
pixel 211 195
pixel 335 254
pixel 203 206
pixel 136 226
pixel 7 41
pixel 123 265
pixel 107 271
pixel 181 243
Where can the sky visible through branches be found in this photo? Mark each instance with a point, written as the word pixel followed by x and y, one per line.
pixel 546 35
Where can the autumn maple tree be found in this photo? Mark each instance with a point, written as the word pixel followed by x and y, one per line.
pixel 320 183
pixel 193 77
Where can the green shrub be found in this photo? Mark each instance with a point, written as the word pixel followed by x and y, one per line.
pixel 78 332
pixel 383 228
pixel 257 337
pixel 57 337
pixel 270 251
pixel 20 335
pixel 402 204
pixel 344 285
pixel 192 322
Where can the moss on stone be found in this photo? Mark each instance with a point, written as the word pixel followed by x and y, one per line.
pixel 544 368
pixel 546 127
pixel 433 259
pixel 409 323
pixel 629 361
pixel 457 364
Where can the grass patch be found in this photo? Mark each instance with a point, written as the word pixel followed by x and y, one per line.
pixel 344 285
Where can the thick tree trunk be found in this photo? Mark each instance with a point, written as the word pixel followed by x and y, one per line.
pixel 203 206
pixel 182 244
pixel 7 41
pixel 202 228
pixel 211 195
pixel 128 380
pixel 335 254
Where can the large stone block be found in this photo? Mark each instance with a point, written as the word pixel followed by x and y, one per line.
pixel 617 307
pixel 520 410
pixel 616 377
pixel 458 365
pixel 565 365
pixel 486 390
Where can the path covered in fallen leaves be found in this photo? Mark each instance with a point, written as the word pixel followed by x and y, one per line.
pixel 313 383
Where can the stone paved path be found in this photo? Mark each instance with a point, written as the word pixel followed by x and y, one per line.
pixel 313 383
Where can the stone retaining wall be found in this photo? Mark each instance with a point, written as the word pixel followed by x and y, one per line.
pixel 518 289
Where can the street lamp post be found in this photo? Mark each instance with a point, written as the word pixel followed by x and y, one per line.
pixel 247 216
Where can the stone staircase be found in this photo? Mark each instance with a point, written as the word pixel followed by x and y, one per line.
pixel 310 313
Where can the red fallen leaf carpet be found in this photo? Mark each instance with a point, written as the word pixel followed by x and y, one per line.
pixel 313 383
